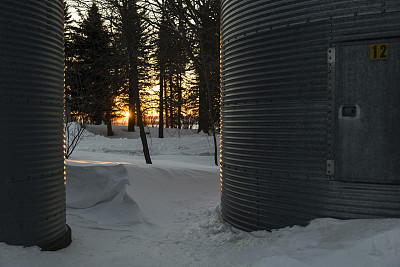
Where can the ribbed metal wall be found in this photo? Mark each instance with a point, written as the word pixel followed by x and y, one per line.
pixel 32 190
pixel 278 111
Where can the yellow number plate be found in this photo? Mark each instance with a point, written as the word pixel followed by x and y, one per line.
pixel 378 51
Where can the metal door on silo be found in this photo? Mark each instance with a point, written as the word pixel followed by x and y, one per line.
pixel 367 112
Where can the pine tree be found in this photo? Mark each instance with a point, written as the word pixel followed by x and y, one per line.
pixel 93 69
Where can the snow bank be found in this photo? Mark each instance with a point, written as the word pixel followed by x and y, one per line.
pixel 128 143
pixel 324 242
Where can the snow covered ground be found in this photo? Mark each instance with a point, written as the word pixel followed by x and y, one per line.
pixel 125 213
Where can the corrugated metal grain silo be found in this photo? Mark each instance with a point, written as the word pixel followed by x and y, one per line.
pixel 32 190
pixel 310 111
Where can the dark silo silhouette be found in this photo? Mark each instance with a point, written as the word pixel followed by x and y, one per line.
pixel 32 189
pixel 310 111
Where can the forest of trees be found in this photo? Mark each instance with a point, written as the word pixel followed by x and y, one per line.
pixel 159 59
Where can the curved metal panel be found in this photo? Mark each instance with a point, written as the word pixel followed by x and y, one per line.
pixel 278 113
pixel 32 190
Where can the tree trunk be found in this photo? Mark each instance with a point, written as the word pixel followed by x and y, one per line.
pixel 139 117
pixel 167 115
pixel 179 115
pixel 109 125
pixel 207 80
pixel 161 105
pixel 203 106
pixel 131 119
pixel 171 102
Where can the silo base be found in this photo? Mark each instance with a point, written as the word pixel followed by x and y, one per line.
pixel 60 243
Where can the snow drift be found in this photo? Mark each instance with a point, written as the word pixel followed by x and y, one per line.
pixel 99 195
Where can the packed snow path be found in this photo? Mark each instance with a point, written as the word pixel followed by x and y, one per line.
pixel 125 213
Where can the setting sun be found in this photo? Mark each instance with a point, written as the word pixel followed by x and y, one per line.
pixel 127 115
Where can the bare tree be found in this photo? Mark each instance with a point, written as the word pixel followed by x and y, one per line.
pixel 131 26
pixel 200 38
pixel 73 133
